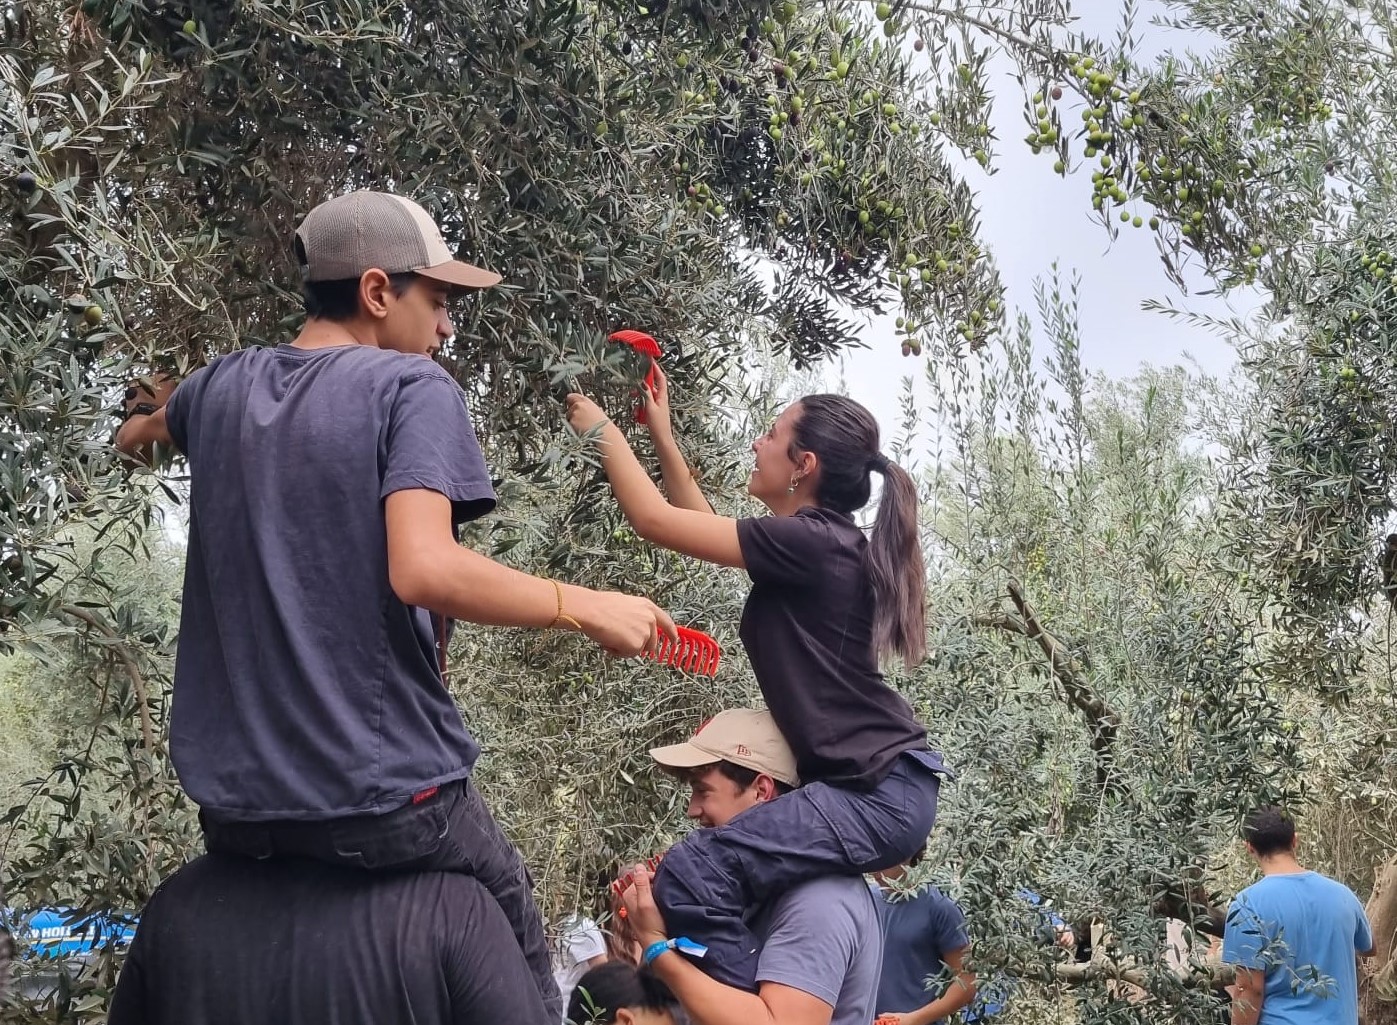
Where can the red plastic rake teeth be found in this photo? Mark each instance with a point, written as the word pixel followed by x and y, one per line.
pixel 652 863
pixel 695 652
pixel 646 346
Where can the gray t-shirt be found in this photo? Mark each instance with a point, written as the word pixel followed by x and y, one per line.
pixel 823 938
pixel 304 689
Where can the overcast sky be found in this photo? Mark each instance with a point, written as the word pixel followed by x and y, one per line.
pixel 1030 218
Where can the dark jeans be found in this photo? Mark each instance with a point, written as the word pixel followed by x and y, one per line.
pixel 707 881
pixel 449 831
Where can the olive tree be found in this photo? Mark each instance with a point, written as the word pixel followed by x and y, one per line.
pixel 1134 697
pixel 1094 676
pixel 738 178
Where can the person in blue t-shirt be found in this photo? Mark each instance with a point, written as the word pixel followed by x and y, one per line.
pixel 1294 937
pixel 310 715
pixel 923 936
pixel 926 931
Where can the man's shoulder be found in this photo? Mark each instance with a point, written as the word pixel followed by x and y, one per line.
pixel 852 891
pixel 1340 900
pixel 1248 892
pixel 934 896
pixel 411 368
pixel 827 898
pixel 926 898
pixel 1324 882
pixel 1283 885
pixel 1262 895
pixel 219 878
pixel 385 363
pixel 352 359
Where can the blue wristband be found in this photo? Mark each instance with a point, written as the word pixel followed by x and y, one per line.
pixel 680 943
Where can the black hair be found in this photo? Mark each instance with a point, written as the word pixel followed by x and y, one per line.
pixel 1269 830
pixel 608 987
pixel 843 436
pixel 745 777
pixel 338 300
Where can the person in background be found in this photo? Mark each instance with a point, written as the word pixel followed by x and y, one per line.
pixel 580 946
pixel 1295 936
pixel 818 945
pixel 232 939
pixel 621 994
pixel 923 935
pixel 7 961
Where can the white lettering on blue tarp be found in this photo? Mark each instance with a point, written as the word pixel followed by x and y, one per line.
pixel 50 936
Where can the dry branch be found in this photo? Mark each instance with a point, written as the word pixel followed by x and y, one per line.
pixel 1209 972
pixel 1377 982
pixel 1102 720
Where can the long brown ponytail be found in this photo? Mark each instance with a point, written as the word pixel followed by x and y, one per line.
pixel 843 436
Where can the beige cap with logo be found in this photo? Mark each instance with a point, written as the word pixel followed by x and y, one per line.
pixel 743 736
pixel 350 234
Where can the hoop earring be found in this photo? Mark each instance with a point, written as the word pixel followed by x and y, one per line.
pixel 795 483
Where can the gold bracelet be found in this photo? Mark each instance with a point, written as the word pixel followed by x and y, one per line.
pixel 562 617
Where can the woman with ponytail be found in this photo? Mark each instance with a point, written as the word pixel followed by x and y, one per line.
pixel 826 604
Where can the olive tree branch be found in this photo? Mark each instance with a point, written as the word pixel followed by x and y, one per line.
pixel 133 671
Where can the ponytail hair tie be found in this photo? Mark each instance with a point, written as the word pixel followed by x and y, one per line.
pixel 878 462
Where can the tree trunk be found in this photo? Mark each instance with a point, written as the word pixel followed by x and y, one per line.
pixel 1377 975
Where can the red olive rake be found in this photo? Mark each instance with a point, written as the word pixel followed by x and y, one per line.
pixel 621 885
pixel 646 346
pixel 695 652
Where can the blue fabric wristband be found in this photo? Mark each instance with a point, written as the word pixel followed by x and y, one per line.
pixel 680 943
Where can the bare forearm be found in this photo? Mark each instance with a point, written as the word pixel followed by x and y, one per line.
pixel 1246 1008
pixel 696 532
pixel 958 994
pixel 640 500
pixel 140 432
pixel 465 585
pixel 710 1002
pixel 680 485
pixel 427 568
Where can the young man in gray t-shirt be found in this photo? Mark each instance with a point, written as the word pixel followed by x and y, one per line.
pixel 822 939
pixel 310 716
pixel 821 944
